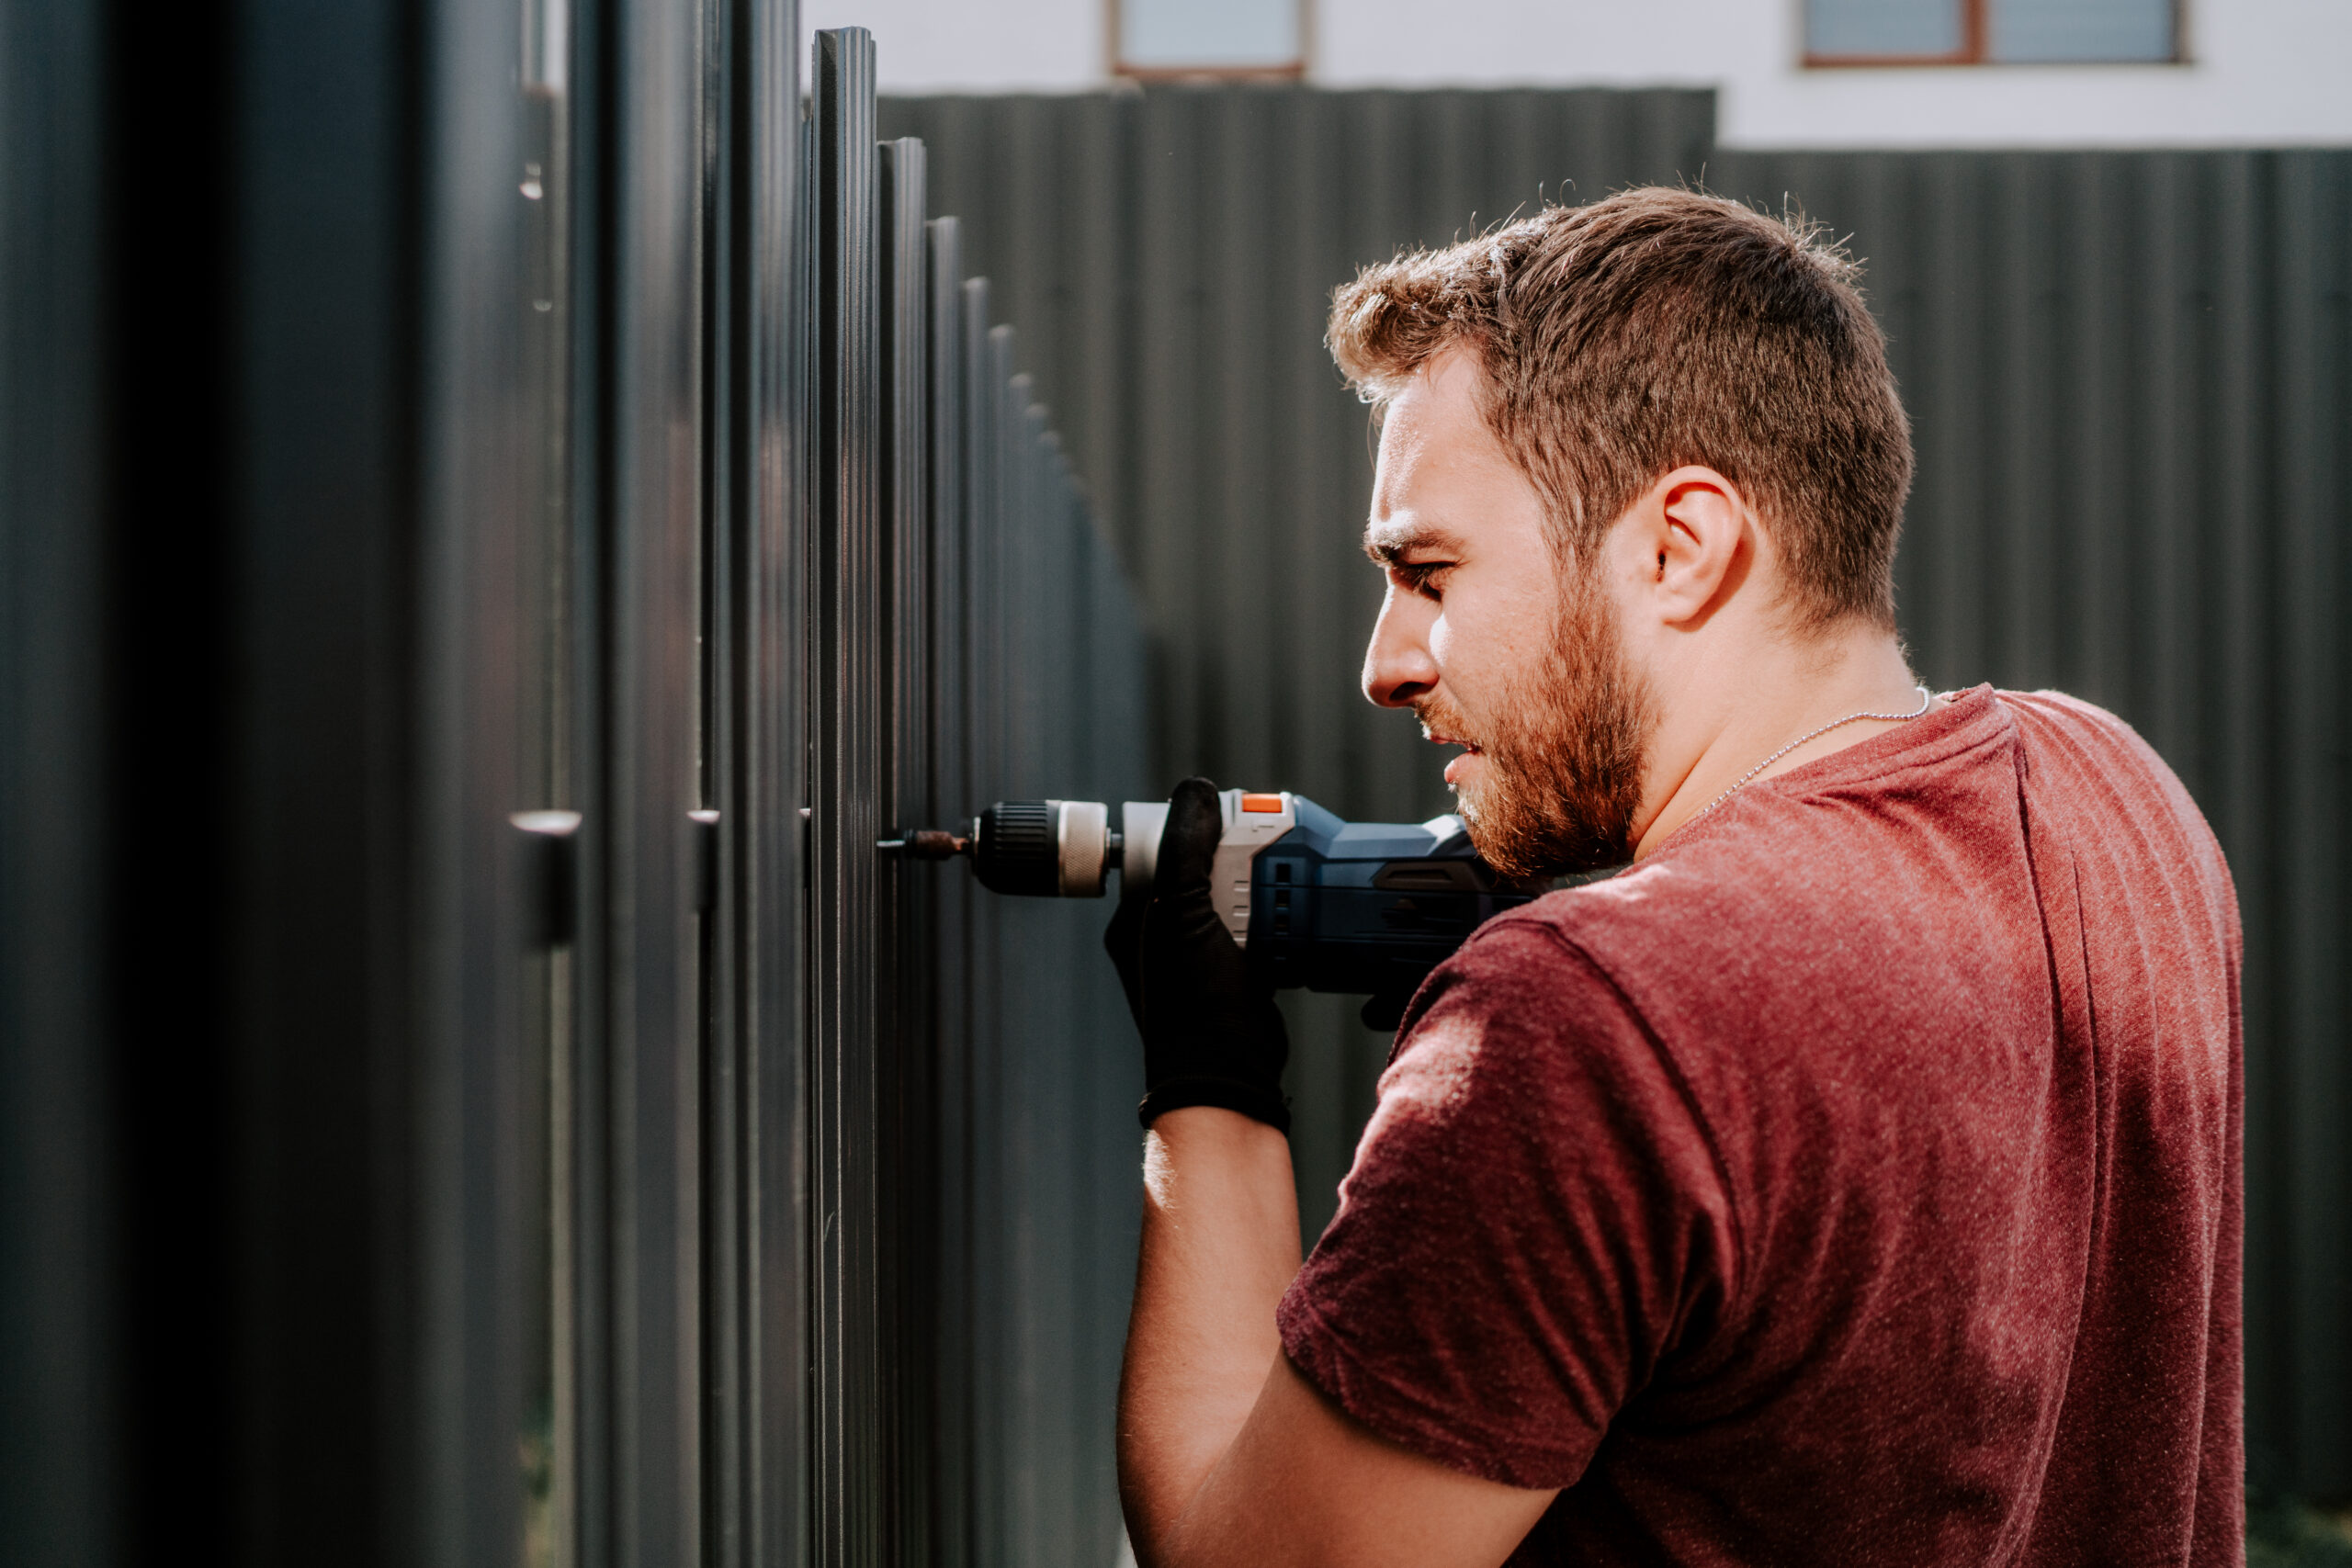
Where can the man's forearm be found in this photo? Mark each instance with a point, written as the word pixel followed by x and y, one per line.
pixel 1220 1245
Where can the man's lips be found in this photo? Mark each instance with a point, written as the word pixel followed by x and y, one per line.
pixel 1454 766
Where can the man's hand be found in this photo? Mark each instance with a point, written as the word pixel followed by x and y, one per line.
pixel 1226 1455
pixel 1212 1035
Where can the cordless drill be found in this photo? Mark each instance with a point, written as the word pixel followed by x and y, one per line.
pixel 1319 904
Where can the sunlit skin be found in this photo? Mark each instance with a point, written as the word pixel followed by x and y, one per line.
pixel 1459 530
pixel 1227 1456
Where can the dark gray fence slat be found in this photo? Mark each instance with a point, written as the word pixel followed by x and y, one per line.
pixel 261 988
pixel 757 324
pixel 2310 1259
pixel 906 1024
pixel 657 529
pixel 648 501
pixel 951 1435
pixel 847 715
pixel 64 1464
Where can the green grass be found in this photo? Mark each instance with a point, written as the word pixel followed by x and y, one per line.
pixel 2283 1533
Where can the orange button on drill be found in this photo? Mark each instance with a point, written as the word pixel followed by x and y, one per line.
pixel 1261 803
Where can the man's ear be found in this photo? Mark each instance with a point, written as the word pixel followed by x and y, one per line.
pixel 1701 543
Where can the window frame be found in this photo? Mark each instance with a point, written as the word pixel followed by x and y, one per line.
pixel 1975 31
pixel 1114 42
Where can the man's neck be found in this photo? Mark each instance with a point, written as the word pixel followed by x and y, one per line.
pixel 1737 709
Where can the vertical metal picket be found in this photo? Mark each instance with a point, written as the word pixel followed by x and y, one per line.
pixel 59 1220
pixel 635 1120
pixel 906 1109
pixel 846 717
pixel 949 1434
pixel 983 687
pixel 755 1239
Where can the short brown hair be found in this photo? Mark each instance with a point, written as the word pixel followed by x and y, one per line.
pixel 1658 328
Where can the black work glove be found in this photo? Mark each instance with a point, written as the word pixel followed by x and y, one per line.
pixel 1212 1035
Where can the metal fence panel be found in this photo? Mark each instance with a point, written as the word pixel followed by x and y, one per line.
pixel 908 1104
pixel 472 619
pixel 60 1456
pixel 756 1303
pixel 961 1379
pixel 2305 1259
pixel 2130 375
pixel 262 551
pixel 947 1511
pixel 642 1049
pixel 847 717
pixel 479 1119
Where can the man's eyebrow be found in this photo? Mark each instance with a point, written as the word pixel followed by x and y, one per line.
pixel 1389 548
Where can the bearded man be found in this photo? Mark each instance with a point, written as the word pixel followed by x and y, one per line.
pixel 1855 1177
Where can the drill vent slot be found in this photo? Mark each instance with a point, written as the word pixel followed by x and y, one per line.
pixel 1427 876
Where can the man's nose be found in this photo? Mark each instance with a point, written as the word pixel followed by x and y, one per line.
pixel 1397 666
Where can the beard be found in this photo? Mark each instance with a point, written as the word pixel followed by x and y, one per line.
pixel 1564 748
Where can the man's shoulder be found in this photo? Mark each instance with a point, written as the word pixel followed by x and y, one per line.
pixel 2087 751
pixel 1711 899
pixel 2134 836
pixel 1818 917
pixel 2065 711
pixel 2056 724
pixel 1644 901
pixel 1892 882
pixel 1675 950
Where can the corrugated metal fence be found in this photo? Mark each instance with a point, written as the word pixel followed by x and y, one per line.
pixel 2130 375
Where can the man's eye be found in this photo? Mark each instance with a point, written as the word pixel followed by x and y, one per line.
pixel 1425 578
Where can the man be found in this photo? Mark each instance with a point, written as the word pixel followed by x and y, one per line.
pixel 1854 1178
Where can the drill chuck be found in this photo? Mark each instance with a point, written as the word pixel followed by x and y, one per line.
pixel 1066 849
pixel 1015 850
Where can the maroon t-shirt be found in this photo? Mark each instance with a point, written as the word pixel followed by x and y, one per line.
pixel 1855 1180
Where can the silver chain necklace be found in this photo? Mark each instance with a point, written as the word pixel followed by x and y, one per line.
pixel 1925 697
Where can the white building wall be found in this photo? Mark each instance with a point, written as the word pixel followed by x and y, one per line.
pixel 2261 72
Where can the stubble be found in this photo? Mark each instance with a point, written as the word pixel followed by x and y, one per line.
pixel 1563 747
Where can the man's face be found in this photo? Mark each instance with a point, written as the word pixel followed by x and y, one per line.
pixel 1494 644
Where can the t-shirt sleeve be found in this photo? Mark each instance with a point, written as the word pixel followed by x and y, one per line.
pixel 1534 1221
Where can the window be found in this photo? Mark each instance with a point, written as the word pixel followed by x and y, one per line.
pixel 1209 38
pixel 1994 32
